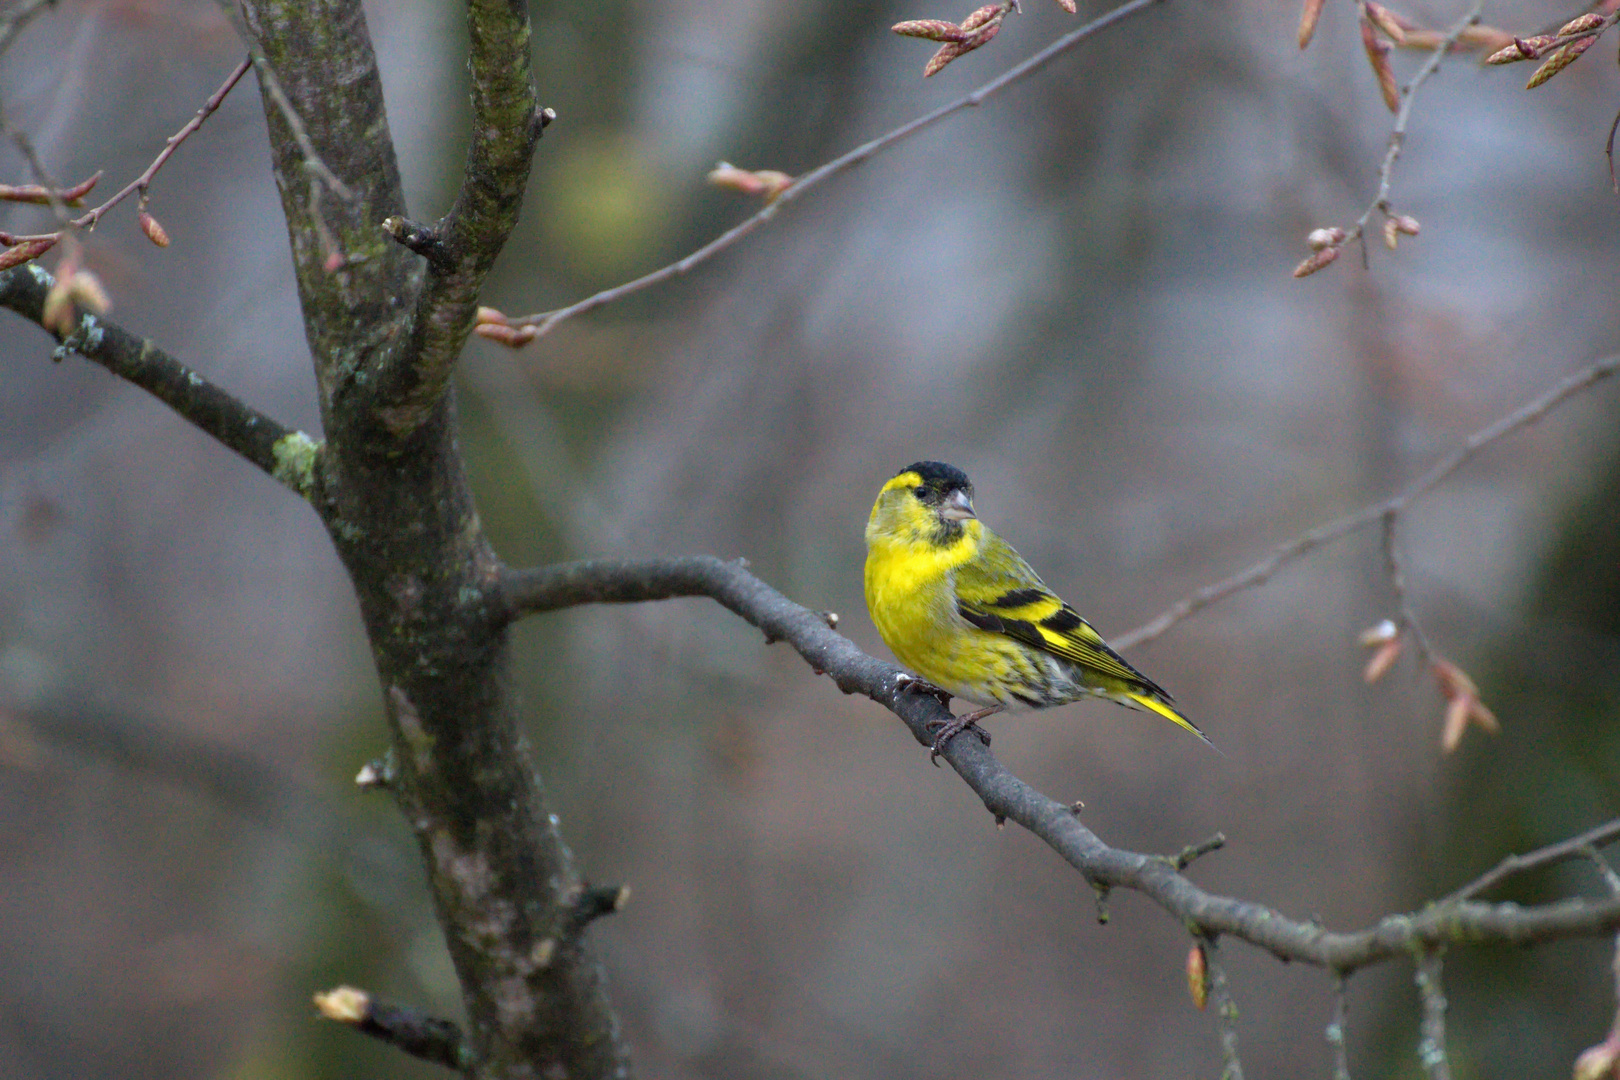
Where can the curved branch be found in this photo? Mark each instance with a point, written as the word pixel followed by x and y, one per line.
pixel 548 588
pixel 287 455
pixel 545 321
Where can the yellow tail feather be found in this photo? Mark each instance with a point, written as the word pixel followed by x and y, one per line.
pixel 1155 705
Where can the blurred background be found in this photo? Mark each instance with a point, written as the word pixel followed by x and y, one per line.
pixel 1080 293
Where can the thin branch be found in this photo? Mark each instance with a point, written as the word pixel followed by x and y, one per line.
pixel 1406 618
pixel 295 124
pixel 1335 1033
pixel 1432 1030
pixel 143 181
pixel 1574 848
pixel 1397 135
pixel 545 321
pixel 400 1026
pixel 1226 1012
pixel 521 592
pixel 287 455
pixel 1291 551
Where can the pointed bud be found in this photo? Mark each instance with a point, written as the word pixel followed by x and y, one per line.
pixel 930 30
pixel 1198 975
pixel 1581 23
pixel 153 229
pixel 1407 224
pixel 1382 660
pixel 1391 234
pixel 1559 59
pixel 1308 17
pixel 1068 5
pixel 513 337
pixel 1387 21
pixel 982 16
pixel 26 251
pixel 490 315
pixel 1523 48
pixel 1378 56
pixel 39 195
pixel 1316 262
pixel 766 183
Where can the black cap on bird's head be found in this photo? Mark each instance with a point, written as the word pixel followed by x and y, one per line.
pixel 944 488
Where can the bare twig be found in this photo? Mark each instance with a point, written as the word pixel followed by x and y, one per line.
pixel 1290 551
pixel 1574 848
pixel 312 159
pixel 1336 1027
pixel 1226 1012
pixel 521 592
pixel 1432 1030
pixel 1406 618
pixel 545 321
pixel 1397 135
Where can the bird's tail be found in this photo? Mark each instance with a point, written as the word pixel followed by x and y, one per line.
pixel 1165 709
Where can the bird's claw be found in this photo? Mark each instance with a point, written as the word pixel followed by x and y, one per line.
pixel 949 730
pixel 908 683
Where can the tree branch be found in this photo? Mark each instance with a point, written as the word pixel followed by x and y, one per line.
pixel 545 321
pixel 288 456
pixel 1290 551
pixel 506 125
pixel 520 592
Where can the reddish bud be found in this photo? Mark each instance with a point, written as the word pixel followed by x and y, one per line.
pixel 1378 56
pixel 1382 660
pixel 26 251
pixel 1198 975
pixel 40 195
pixel 766 183
pixel 153 229
pixel 490 315
pixel 1387 21
pixel 1316 262
pixel 931 30
pixel 513 337
pixel 1391 234
pixel 1407 224
pixel 1068 5
pixel 1559 59
pixel 1581 23
pixel 1308 16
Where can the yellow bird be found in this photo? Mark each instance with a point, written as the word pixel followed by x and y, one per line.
pixel 964 611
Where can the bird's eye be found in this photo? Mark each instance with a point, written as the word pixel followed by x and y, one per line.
pixel 920 492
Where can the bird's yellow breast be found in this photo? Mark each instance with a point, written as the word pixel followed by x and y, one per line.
pixel 910 592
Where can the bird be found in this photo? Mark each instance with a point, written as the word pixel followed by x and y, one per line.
pixel 964 611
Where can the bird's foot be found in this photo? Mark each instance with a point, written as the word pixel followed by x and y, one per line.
pixel 949 730
pixel 908 683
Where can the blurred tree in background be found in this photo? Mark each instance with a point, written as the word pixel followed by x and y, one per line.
pixel 1079 292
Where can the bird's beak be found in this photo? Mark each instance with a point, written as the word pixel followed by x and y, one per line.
pixel 958 506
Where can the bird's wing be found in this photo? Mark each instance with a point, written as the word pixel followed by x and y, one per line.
pixel 1002 594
